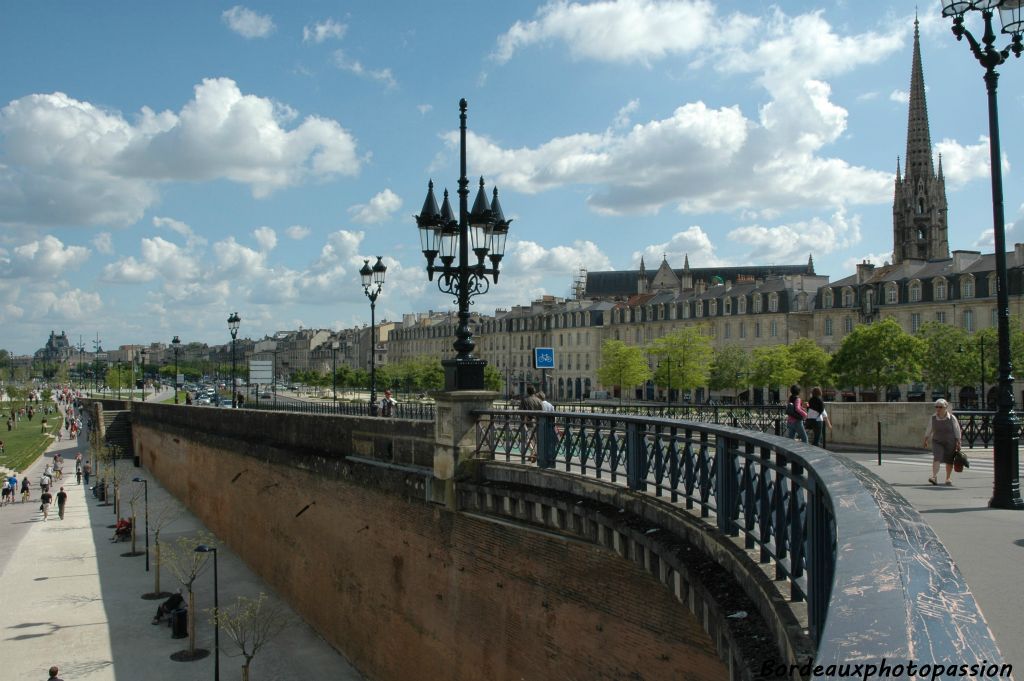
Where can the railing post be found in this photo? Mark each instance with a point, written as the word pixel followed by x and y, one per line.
pixel 726 487
pixel 820 566
pixel 546 441
pixel 636 457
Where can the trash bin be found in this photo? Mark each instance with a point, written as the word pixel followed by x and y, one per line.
pixel 101 490
pixel 136 460
pixel 179 623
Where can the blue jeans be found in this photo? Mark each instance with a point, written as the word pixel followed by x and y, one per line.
pixel 795 428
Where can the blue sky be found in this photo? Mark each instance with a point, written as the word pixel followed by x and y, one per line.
pixel 165 164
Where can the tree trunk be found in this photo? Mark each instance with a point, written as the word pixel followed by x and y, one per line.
pixel 156 572
pixel 133 534
pixel 245 671
pixel 191 620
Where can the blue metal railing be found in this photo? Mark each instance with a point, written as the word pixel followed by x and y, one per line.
pixel 750 485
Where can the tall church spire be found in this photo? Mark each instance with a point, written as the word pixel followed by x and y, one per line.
pixel 919 139
pixel 919 207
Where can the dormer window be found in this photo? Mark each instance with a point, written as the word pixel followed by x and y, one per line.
pixel 940 289
pixel 967 286
pixel 741 305
pixel 827 298
pixel 847 297
pixel 727 306
pixel 757 303
pixel 712 308
pixel 891 294
pixel 773 302
pixel 915 291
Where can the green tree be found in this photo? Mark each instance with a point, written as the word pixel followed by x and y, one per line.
pixel 493 380
pixel 622 365
pixel 948 356
pixel 813 363
pixel 684 358
pixel 878 355
pixel 773 366
pixel 730 369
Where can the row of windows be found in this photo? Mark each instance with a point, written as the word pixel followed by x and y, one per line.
pixel 940 291
pixel 967 321
pixel 683 310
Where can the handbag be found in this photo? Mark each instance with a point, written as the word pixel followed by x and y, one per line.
pixel 960 461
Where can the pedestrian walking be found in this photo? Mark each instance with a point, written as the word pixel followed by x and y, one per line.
pixel 44 504
pixel 87 471
pixel 945 435
pixel 26 489
pixel 44 483
pixel 62 501
pixel 795 415
pixel 53 674
pixel 78 472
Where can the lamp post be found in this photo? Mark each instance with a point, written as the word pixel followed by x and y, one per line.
pixel 273 375
pixel 334 373
pixel 484 229
pixel 233 321
pixel 81 368
pixel 142 370
pixel 1006 457
pixel 145 487
pixel 176 346
pixel 203 548
pixel 373 276
pixel 668 392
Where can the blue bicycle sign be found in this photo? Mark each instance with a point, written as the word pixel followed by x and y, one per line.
pixel 543 358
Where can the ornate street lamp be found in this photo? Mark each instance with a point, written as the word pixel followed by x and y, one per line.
pixel 1006 482
pixel 81 369
pixel 176 346
pixel 373 276
pixel 233 321
pixel 483 229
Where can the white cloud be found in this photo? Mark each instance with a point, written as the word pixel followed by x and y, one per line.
pixel 44 258
pixel 963 163
pixel 692 242
pixel 234 259
pixel 528 267
pixel 266 238
pixel 356 67
pixel 65 304
pixel 192 240
pixel 324 30
pixel 67 162
pixel 702 159
pixel 867 96
pixel 298 232
pixel 628 30
pixel 158 258
pixel 900 96
pixel 790 242
pixel 424 109
pixel 248 23
pixel 379 209
pixel 622 118
pixel 876 259
pixel 103 243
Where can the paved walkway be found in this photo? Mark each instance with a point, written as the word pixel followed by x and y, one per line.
pixel 986 544
pixel 72 600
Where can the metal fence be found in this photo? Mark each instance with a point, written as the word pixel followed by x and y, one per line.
pixel 418 411
pixel 762 417
pixel 742 482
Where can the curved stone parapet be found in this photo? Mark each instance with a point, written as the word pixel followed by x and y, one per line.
pixel 853 562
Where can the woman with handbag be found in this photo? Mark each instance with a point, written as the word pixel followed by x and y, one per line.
pixel 945 435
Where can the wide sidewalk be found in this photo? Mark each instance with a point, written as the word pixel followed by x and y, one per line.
pixel 74 601
pixel 986 544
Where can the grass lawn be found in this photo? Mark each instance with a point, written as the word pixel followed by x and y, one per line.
pixel 24 444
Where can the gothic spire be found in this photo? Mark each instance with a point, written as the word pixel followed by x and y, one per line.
pixel 919 140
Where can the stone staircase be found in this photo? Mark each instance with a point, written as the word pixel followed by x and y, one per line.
pixel 117 428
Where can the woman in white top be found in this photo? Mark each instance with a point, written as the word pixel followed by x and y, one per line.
pixel 945 435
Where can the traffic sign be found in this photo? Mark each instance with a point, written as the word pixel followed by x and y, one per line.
pixel 543 358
